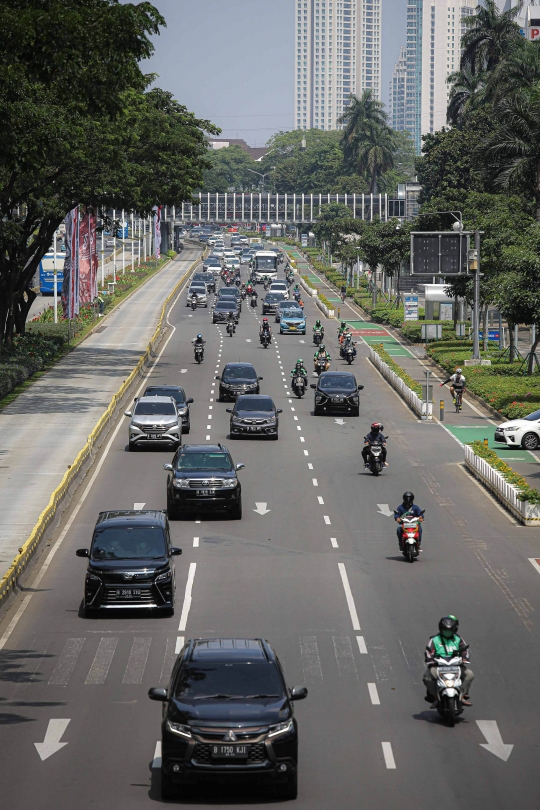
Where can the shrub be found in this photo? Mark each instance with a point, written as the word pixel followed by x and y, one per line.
pixel 324 300
pixel 309 283
pixel 525 492
pixel 407 379
pixel 30 353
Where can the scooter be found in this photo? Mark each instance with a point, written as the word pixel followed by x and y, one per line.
pixel 243 295
pixel 199 353
pixel 449 687
pixel 348 354
pixel 194 303
pixel 266 284
pixel 266 339
pixel 410 537
pixel 230 329
pixel 297 295
pixel 317 337
pixel 320 366
pixel 253 301
pixel 375 461
pixel 299 386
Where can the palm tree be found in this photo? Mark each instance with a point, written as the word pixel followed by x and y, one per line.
pixel 368 142
pixel 518 71
pixel 488 36
pixel 512 152
pixel 466 94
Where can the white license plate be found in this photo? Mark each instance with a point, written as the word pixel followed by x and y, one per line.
pixel 155 435
pixel 230 751
pixel 205 491
pixel 253 428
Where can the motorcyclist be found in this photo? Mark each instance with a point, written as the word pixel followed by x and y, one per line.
pixel 249 288
pixel 265 329
pixel 409 509
pixel 343 292
pixel 446 643
pixel 342 331
pixel 300 369
pixel 318 326
pixel 457 381
pixel 198 341
pixel 348 341
pixel 322 353
pixel 230 319
pixel 375 436
pixel 296 292
pixel 193 297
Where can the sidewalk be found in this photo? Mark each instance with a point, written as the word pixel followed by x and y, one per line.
pixel 473 423
pixel 42 431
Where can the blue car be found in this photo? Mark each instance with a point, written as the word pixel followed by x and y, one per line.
pixel 292 321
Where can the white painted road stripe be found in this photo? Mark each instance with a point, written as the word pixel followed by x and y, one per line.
pixel 195 542
pixel 319 498
pixel 138 506
pixel 102 661
pixel 156 762
pixel 327 520
pixel 311 662
pixel 179 644
pixel 315 482
pixel 388 755
pixel 334 542
pixel 66 662
pixel 534 564
pixel 361 645
pixel 187 598
pixel 349 596
pixel 374 695
pixel 140 650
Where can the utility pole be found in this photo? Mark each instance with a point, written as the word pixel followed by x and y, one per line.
pixel 476 312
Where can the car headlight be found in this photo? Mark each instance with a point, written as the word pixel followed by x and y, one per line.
pixel 164 577
pixel 136 426
pixel 183 411
pixel 281 728
pixel 355 398
pixel 271 420
pixel 510 429
pixel 236 421
pixel 230 484
pixel 318 398
pixel 181 483
pixel 93 577
pixel 178 728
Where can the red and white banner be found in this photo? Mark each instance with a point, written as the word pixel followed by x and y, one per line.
pixel 157 231
pixel 88 259
pixel 70 286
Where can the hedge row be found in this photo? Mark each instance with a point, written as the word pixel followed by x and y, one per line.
pixel 526 492
pixel 30 353
pixel 407 379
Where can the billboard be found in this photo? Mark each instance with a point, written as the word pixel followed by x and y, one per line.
pixel 439 253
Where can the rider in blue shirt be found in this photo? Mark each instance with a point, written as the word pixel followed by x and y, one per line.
pixel 409 508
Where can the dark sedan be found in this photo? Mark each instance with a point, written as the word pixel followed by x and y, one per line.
pixel 222 308
pixel 238 378
pixel 337 392
pixel 254 416
pixel 271 302
pixel 228 716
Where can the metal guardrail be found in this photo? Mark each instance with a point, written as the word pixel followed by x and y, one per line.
pixel 10 579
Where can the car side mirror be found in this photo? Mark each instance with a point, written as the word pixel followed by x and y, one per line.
pixel 218 378
pixel 312 385
pixel 168 467
pixel 175 551
pixel 240 466
pixel 82 552
pixel 128 413
pixel 190 401
pixel 260 378
pixel 299 693
pixel 360 387
pixel 158 694
pixel 228 410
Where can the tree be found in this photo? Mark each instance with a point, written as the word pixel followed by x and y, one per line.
pixel 368 142
pixel 333 222
pixel 488 36
pixel 466 94
pixel 231 169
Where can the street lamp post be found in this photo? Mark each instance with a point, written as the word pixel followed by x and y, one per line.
pixel 273 168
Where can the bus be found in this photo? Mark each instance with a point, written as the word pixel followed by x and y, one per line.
pixel 265 265
pixel 46 273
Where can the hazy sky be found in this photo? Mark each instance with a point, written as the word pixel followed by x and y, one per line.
pixel 232 61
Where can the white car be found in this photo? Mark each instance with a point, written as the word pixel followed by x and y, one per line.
pixel 523 433
pixel 200 289
pixel 217 252
pixel 279 286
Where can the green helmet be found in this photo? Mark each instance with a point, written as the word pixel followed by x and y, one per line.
pixel 299 362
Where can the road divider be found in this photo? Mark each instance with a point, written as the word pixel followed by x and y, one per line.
pixel 398 384
pixel 63 493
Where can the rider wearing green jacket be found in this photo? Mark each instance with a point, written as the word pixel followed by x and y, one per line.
pixel 447 643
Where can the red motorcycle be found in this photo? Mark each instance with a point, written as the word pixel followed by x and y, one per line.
pixel 410 536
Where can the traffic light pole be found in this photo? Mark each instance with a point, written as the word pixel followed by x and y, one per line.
pixel 476 310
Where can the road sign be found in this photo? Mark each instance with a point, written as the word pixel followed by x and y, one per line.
pixel 411 307
pixel 439 253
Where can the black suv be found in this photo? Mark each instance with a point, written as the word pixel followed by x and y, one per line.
pixel 222 308
pixel 228 714
pixel 179 395
pixel 337 392
pixel 254 415
pixel 236 379
pixel 203 477
pixel 271 302
pixel 129 563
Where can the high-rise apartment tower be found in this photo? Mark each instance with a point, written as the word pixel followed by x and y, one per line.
pixel 396 106
pixel 338 52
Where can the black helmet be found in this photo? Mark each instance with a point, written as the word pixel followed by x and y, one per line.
pixel 321 347
pixel 199 337
pixel 448 626
pixel 377 426
pixel 408 499
pixel 343 324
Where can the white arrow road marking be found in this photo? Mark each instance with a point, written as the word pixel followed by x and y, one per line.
pixel 494 743
pixel 302 341
pixel 156 762
pixel 389 760
pixel 183 370
pixel 384 509
pixel 51 744
pixel 339 421
pixel 261 508
pixel 187 597
pixel 138 506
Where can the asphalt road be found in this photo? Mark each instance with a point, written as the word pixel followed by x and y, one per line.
pixel 367 738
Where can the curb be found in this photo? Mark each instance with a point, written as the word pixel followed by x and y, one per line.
pixel 63 492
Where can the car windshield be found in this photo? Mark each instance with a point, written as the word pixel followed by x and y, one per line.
pixel 197 681
pixel 204 461
pixel 271 298
pixel 254 404
pixel 292 313
pixel 227 305
pixel 229 292
pixel 240 373
pixel 177 395
pixel 533 417
pixel 337 381
pixel 128 543
pixel 154 408
pixel 265 262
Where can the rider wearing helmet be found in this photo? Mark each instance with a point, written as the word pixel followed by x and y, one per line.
pixel 198 341
pixel 300 369
pixel 447 643
pixel 375 436
pixel 265 328
pixel 318 326
pixel 321 352
pixel 347 341
pixel 409 508
pixel 342 331
pixel 457 381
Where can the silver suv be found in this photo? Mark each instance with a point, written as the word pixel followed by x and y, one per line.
pixel 154 420
pixel 199 288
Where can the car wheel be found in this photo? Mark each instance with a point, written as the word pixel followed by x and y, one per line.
pixel 90 613
pixel 132 447
pixel 289 790
pixel 168 788
pixel 276 436
pixel 236 513
pixel 186 428
pixel 530 441
pixel 356 412
pixel 172 510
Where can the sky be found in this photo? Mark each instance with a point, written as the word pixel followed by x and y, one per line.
pixel 232 61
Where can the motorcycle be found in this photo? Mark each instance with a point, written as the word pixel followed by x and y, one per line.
pixel 320 366
pixel 266 284
pixel 348 354
pixel 194 303
pixel 253 301
pixel 375 459
pixel 238 282
pixel 199 353
pixel 317 337
pixel 266 339
pixel 243 295
pixel 449 687
pixel 410 537
pixel 299 385
pixel 230 329
pixel 297 295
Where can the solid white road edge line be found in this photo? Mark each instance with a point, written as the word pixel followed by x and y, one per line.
pixel 187 598
pixel 374 695
pixel 361 645
pixel 13 623
pixel 349 597
pixel 389 760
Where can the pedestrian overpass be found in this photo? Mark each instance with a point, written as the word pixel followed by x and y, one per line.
pixel 285 208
